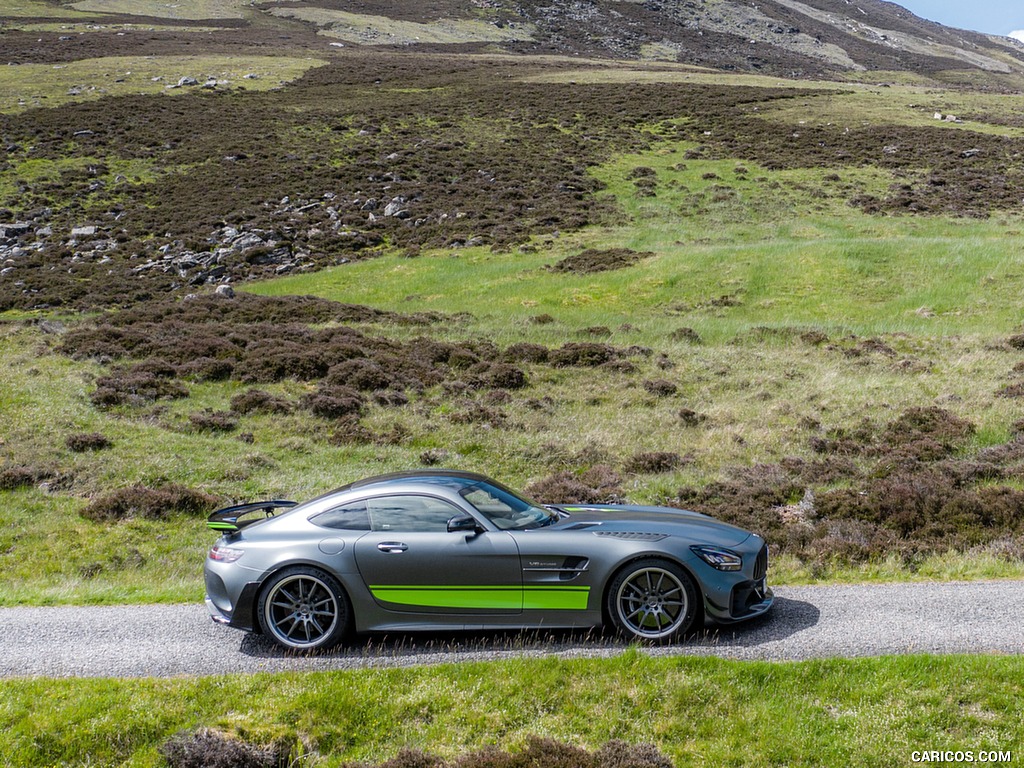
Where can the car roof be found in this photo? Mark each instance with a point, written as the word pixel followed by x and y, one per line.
pixel 450 478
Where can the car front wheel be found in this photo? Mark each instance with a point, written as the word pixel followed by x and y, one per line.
pixel 652 600
pixel 304 609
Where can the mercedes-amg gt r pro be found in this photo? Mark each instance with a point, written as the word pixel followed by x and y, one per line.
pixel 442 550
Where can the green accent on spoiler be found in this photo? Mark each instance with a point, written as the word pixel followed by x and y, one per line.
pixel 216 526
pixel 504 598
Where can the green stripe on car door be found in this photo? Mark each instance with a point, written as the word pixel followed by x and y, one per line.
pixel 493 597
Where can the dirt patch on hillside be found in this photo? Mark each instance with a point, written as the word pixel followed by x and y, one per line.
pixel 598 260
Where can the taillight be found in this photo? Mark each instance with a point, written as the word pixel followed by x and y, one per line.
pixel 225 554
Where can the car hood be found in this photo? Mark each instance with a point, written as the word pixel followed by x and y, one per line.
pixel 700 529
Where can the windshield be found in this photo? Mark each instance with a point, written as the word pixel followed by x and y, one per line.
pixel 505 509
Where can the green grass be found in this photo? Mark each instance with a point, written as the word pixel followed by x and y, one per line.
pixel 26 86
pixel 870 712
pixel 180 9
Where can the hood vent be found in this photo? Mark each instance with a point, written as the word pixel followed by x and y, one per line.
pixel 633 535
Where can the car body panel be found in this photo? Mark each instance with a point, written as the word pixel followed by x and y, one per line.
pixel 555 574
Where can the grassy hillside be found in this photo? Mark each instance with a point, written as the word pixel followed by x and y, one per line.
pixel 794 305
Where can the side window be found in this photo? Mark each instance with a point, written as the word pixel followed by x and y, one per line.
pixel 352 517
pixel 421 514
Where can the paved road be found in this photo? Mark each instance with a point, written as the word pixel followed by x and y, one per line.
pixel 807 622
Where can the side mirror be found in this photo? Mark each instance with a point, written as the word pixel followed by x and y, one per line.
pixel 463 524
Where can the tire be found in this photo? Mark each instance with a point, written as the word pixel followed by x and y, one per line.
pixel 652 600
pixel 304 609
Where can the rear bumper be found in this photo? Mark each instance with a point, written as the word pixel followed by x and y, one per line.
pixel 239 616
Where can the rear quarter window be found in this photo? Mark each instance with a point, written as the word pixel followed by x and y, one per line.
pixel 350 517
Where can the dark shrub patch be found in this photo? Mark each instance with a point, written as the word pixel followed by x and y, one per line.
pixel 206 369
pixel 538 753
pixel 593 260
pixel 653 462
pixel 928 424
pixel 496 375
pixel 1016 341
pixel 206 748
pixel 685 334
pixel 599 484
pixel 525 352
pixel 87 441
pixel 212 421
pixel 582 354
pixel 333 402
pixel 434 456
pixel 660 387
pixel 150 503
pixel 691 418
pixel 135 388
pixel 259 401
pixel 477 413
pixel 542 319
pixel 1012 390
pixel 21 476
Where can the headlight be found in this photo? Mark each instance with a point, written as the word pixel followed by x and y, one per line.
pixel 225 554
pixel 716 557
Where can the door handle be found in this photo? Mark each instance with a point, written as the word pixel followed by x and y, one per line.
pixel 392 546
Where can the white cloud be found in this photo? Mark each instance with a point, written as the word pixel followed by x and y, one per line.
pixel 1018 35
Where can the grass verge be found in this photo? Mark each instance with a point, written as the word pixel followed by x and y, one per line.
pixel 713 712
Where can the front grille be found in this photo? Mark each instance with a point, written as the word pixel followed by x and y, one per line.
pixel 761 564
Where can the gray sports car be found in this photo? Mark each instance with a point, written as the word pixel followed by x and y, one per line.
pixel 433 550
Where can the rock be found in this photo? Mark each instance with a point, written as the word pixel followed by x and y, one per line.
pixel 225 291
pixel 211 83
pixel 17 229
pixel 187 80
pixel 970 153
pixel 87 231
pixel 891 149
pixel 394 208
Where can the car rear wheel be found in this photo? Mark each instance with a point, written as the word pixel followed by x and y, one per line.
pixel 652 600
pixel 304 609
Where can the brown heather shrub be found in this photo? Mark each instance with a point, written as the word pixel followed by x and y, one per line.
pixel 690 418
pixel 212 421
pixel 333 402
pixel 538 753
pixel 495 376
pixel 208 748
pixel 21 476
pixel 685 334
pixel 525 352
pixel 206 369
pixel 135 388
pixel 87 441
pixel 660 387
pixel 653 462
pixel 586 354
pixel 259 401
pixel 594 260
pixel 139 501
pixel 598 484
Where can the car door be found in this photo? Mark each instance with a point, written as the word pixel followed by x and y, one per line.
pixel 412 564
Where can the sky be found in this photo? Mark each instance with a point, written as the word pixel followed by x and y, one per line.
pixel 996 17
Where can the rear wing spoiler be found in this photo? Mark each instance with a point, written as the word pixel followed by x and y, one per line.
pixel 228 520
